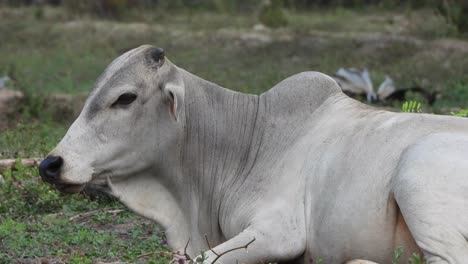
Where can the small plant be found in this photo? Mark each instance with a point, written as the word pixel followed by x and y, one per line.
pixel 416 259
pixel 411 107
pixel 461 113
pixel 39 13
pixel 99 8
pixel 233 7
pixel 201 259
pixel 272 14
pixel 455 12
pixel 397 253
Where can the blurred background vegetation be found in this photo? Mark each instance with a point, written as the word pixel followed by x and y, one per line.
pixel 454 11
pixel 54 50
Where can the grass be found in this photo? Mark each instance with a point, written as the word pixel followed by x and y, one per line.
pixel 35 223
pixel 31 139
pixel 57 53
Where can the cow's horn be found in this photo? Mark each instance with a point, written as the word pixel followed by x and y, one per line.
pixel 158 55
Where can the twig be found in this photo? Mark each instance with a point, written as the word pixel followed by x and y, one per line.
pixel 94 212
pixel 190 260
pixel 8 164
pixel 176 256
pixel 187 257
pixel 146 254
pixel 160 252
pixel 232 249
pixel 208 242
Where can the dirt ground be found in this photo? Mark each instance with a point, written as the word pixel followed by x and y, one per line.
pixel 9 101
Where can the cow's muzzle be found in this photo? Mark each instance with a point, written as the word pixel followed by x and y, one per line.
pixel 50 169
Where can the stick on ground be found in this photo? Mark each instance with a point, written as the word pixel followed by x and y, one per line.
pixel 94 212
pixel 8 164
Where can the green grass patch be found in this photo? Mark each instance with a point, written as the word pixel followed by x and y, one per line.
pixel 57 237
pixel 30 139
pixel 35 223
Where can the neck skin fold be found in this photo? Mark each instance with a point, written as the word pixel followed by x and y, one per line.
pixel 219 128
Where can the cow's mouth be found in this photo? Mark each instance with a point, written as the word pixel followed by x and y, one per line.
pixel 69 188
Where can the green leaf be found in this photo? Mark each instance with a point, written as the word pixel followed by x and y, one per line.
pixel 461 113
pixel 397 253
pixel 411 107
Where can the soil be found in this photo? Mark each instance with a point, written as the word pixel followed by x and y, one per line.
pixel 62 106
pixel 9 101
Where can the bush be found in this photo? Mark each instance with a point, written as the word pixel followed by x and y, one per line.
pixel 415 4
pixel 232 6
pixel 101 8
pixel 272 14
pixel 455 12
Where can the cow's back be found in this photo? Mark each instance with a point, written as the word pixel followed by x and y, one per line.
pixel 352 156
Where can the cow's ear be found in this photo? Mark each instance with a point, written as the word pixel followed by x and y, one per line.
pixel 170 82
pixel 174 95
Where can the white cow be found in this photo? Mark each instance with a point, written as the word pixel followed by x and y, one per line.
pixel 305 170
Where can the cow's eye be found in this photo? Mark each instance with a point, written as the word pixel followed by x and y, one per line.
pixel 125 99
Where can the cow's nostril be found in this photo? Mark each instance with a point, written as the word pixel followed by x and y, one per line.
pixel 50 168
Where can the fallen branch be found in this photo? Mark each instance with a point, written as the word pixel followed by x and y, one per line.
pixel 9 164
pixel 93 213
pixel 186 255
pixel 218 255
pixel 230 250
pixel 159 252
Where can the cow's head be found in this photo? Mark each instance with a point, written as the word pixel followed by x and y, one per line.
pixel 131 122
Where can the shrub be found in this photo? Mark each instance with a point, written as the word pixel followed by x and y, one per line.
pixel 102 8
pixel 272 14
pixel 455 12
pixel 232 6
pixel 460 113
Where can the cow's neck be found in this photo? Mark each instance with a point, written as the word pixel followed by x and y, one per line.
pixel 231 136
pixel 219 128
pixel 146 195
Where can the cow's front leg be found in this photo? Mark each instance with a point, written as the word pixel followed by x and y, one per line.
pixel 256 246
